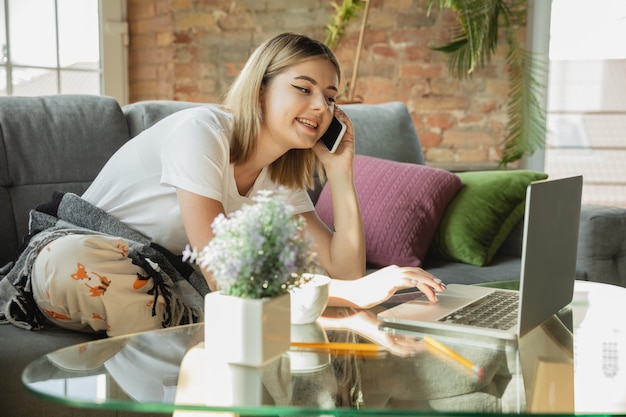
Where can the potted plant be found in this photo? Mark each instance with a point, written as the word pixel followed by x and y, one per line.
pixel 335 30
pixel 257 256
pixel 481 24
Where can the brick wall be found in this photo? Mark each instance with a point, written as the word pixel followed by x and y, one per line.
pixel 192 50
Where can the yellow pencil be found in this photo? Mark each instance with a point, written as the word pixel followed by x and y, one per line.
pixel 453 355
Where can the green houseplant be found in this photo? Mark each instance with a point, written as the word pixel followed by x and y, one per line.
pixel 481 25
pixel 343 15
pixel 335 30
pixel 259 251
pixel 258 254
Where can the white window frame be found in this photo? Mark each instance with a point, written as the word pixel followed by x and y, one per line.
pixel 114 40
pixel 113 50
pixel 538 42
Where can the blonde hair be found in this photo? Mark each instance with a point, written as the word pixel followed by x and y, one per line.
pixel 296 168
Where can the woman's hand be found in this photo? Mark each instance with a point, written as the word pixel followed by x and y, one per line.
pixel 365 324
pixel 341 160
pixel 377 287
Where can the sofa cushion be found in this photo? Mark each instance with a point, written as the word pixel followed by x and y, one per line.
pixel 480 217
pixel 144 114
pixel 401 205
pixel 602 245
pixel 386 131
pixel 47 144
pixel 501 268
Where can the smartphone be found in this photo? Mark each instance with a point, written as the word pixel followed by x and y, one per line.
pixel 333 135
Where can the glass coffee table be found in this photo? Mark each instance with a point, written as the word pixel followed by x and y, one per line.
pixel 572 364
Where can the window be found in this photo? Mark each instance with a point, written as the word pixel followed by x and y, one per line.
pixel 586 100
pixel 63 47
pixel 586 107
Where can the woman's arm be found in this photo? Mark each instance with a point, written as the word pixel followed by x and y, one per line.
pixel 342 252
pixel 198 213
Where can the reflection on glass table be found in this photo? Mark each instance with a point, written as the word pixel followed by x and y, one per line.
pixel 170 370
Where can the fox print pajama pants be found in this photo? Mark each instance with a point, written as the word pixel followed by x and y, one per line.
pixel 88 283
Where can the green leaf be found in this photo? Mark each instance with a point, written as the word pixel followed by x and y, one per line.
pixel 344 13
pixel 480 24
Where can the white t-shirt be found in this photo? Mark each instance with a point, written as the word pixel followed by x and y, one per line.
pixel 189 149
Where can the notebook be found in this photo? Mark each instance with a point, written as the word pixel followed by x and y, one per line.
pixel 548 269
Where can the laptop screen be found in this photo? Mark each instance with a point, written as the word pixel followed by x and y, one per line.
pixel 549 249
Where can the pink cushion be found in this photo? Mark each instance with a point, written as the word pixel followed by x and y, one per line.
pixel 401 205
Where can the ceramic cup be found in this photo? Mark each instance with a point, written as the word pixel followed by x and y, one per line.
pixel 308 361
pixel 309 301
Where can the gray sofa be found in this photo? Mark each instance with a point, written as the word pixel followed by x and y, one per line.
pixel 61 142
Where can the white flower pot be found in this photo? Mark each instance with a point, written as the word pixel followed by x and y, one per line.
pixel 251 332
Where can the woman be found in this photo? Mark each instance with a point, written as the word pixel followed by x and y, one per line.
pixel 172 180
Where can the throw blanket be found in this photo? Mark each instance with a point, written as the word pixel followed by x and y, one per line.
pixel 182 287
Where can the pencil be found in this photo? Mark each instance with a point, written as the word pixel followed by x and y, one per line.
pixel 453 355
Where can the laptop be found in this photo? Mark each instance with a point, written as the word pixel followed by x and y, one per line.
pixel 548 269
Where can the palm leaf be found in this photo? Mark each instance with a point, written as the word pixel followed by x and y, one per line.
pixel 476 38
pixel 527 117
pixel 474 42
pixel 344 13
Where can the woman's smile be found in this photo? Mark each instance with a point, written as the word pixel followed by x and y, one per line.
pixel 307 122
pixel 299 104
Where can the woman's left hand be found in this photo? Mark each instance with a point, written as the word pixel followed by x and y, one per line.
pixel 379 286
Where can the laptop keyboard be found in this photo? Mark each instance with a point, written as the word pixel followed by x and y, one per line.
pixel 497 310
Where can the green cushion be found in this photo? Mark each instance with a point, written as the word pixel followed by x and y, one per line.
pixel 481 215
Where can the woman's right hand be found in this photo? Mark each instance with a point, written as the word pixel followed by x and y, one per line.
pixel 365 324
pixel 379 286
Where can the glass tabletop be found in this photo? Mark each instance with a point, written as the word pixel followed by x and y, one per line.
pixel 573 363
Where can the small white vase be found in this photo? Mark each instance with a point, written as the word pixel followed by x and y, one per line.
pixel 245 331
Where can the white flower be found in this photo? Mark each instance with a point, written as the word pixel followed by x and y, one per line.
pixel 259 251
